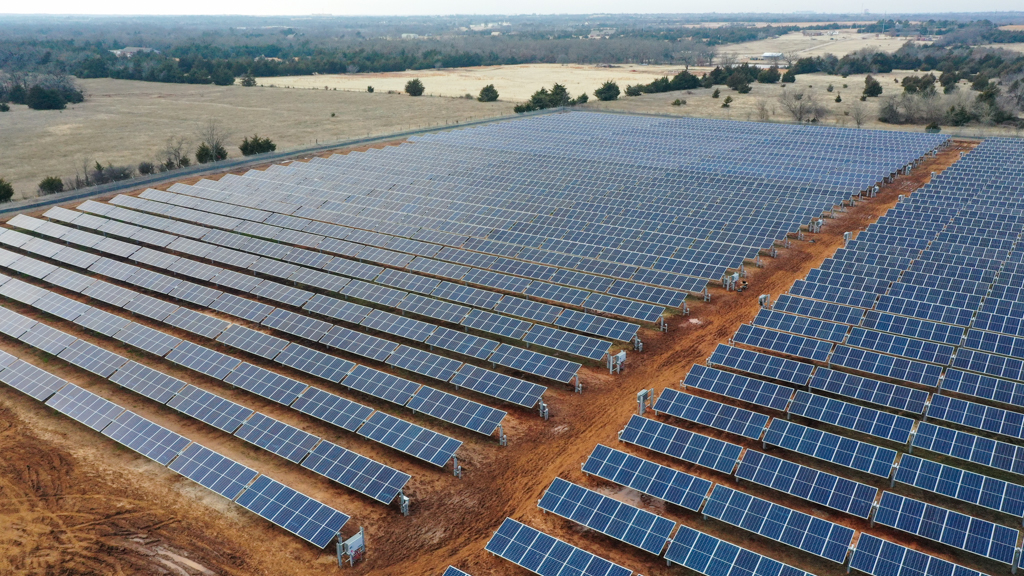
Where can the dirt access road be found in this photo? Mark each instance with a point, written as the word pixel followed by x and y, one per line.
pixel 73 502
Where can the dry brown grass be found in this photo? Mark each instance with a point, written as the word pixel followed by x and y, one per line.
pixel 126 122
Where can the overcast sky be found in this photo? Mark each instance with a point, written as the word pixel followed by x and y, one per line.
pixel 411 7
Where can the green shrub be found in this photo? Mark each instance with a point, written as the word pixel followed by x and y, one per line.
pixel 488 94
pixel 51 185
pixel 608 91
pixel 256 145
pixel 6 190
pixel 414 87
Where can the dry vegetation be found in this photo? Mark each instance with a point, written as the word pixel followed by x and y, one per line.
pixel 126 122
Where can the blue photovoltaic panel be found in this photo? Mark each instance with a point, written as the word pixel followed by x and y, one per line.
pixel 871 391
pixel 84 406
pixel 575 344
pixel 738 387
pixel 812 485
pixel 762 364
pixel 821 310
pixel 810 327
pixel 889 366
pixel 783 343
pixel 646 531
pixel 313 521
pixel 877 557
pixel 647 477
pixel 380 482
pixel 548 556
pixel 498 385
pixel 358 343
pixel 951 528
pixel 275 436
pixel 381 385
pixel 969 447
pixel 423 362
pixel 204 360
pixel 456 410
pixel 453 571
pixel 803 531
pixel 852 417
pixel 682 444
pixel 710 413
pixel 901 346
pixel 977 416
pixel 208 468
pixel 411 439
pixel 147 382
pixel 28 379
pixel 210 408
pixel 314 362
pixel 709 556
pixel 265 383
pixel 145 437
pixel 535 363
pixel 830 447
pixel 328 407
pixel 981 386
pixel 962 485
pixel 461 342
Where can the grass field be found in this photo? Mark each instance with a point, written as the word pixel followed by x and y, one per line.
pixel 845 42
pixel 126 122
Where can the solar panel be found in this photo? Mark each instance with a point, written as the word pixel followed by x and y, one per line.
pixel 148 339
pixel 453 571
pixel 28 379
pixel 314 362
pixel 459 411
pixel 802 531
pixel 359 344
pixel 830 447
pixel 425 363
pixel 13 324
pixel 145 437
pixel 545 555
pixel 381 385
pixel 647 477
pixel 47 339
pixel 947 527
pixel 461 342
pixel 851 416
pixel 197 323
pixel 575 344
pixel 60 306
pixel 807 483
pixel 977 416
pixel 877 557
pixel 761 364
pixel 212 470
pixel 203 360
pixel 91 357
pixel 709 556
pixel 646 531
pixel 275 436
pixel 535 363
pixel 84 406
pixel 145 305
pixel 888 366
pixel 207 407
pixel 969 447
pixel 682 444
pixel 265 383
pixel 297 324
pixel 738 387
pixel 981 386
pixel 436 309
pixel 328 407
pixel 409 438
pixel 109 293
pixel 252 341
pixel 398 325
pixel 496 324
pixel 710 413
pixel 498 385
pixel 338 309
pixel 783 343
pixel 105 323
pixel 869 390
pixel 147 382
pixel 961 485
pixel 380 482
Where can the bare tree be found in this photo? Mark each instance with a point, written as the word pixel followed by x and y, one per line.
pixel 212 134
pixel 706 56
pixel 795 103
pixel 728 59
pixel 176 152
pixel 791 56
pixel 858 113
pixel 763 108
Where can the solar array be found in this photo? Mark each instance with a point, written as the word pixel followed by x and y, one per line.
pixel 807 483
pixel 710 556
pixel 545 555
pixel 645 476
pixel 297 513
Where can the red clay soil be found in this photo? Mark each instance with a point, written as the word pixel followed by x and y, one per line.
pixel 74 502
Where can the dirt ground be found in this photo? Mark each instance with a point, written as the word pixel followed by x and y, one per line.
pixel 73 502
pixel 127 122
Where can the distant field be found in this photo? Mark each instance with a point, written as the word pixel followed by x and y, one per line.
pixel 125 122
pixel 514 83
pixel 845 42
pixel 1016 46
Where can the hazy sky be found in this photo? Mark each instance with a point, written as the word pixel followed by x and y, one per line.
pixel 407 7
